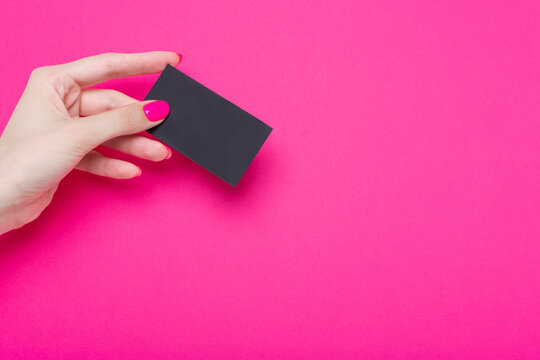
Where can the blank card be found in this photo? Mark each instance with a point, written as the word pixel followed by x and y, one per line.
pixel 206 127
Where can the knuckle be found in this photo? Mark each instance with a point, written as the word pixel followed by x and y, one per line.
pixel 111 102
pixel 51 75
pixel 40 72
pixel 129 118
pixel 109 64
pixel 114 100
pixel 108 168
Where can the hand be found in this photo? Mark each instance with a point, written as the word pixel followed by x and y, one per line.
pixel 58 122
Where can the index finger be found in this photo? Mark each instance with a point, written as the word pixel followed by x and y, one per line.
pixel 99 68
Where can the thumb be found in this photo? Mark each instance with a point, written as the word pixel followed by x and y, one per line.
pixel 125 120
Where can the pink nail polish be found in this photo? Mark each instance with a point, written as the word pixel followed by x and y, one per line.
pixel 156 110
pixel 169 154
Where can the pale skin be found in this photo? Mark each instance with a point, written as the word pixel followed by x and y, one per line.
pixel 58 123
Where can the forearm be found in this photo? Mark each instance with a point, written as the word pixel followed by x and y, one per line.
pixel 12 204
pixel 8 209
pixel 17 210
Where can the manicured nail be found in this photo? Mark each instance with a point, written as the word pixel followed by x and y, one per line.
pixel 169 154
pixel 139 173
pixel 179 57
pixel 156 110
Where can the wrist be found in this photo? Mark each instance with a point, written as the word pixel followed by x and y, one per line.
pixel 8 207
pixel 7 210
pixel 10 203
pixel 18 206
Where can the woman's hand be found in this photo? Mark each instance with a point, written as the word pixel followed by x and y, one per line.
pixel 58 122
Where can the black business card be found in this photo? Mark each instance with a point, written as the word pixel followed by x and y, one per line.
pixel 205 127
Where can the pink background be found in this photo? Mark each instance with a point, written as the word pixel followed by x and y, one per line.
pixel 393 213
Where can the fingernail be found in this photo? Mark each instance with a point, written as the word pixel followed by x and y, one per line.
pixel 179 57
pixel 139 173
pixel 156 110
pixel 169 154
